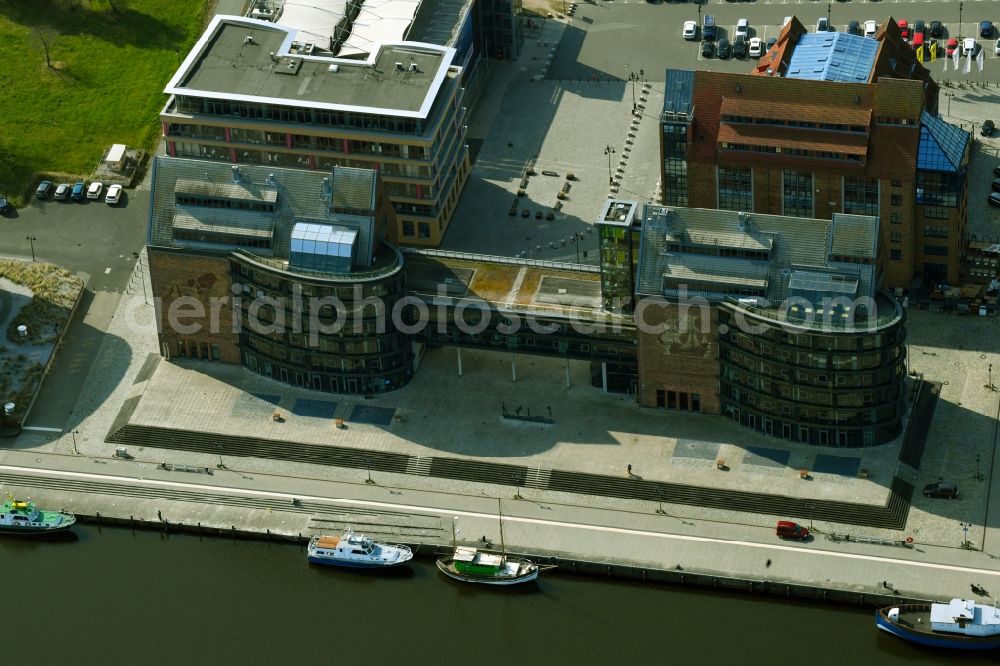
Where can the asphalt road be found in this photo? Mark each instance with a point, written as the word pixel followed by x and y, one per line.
pixel 614 38
pixel 89 238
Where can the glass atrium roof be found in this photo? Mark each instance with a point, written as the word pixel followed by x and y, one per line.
pixel 832 56
pixel 942 145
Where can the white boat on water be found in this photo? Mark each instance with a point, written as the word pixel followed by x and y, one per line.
pixel 356 551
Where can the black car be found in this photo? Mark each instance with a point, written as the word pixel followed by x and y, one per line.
pixel 43 189
pixel 740 47
pixel 941 489
pixel 919 27
pixel 994 199
pixel 986 29
pixel 4 205
pixel 936 29
pixel 996 185
pixel 996 170
pixel 854 28
pixel 708 49
pixel 771 42
pixel 724 49
pixel 988 127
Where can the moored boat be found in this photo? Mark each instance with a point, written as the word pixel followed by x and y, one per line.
pixel 960 624
pixel 469 565
pixel 17 517
pixel 356 551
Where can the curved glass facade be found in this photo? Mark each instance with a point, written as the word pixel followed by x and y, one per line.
pixel 819 385
pixel 321 331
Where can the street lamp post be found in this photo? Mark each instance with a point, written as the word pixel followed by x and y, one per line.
pixel 949 96
pixel 517 486
pixel 829 6
pixel 31 240
pixel 368 464
pixel 75 432
pixel 609 151
pixel 965 532
pixel 961 5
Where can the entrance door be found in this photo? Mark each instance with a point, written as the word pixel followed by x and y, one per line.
pixel 661 398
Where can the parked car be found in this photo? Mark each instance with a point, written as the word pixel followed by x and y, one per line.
pixel 996 170
pixel 690 32
pixel 742 28
pixel 62 192
pixel 740 47
pixel 996 48
pixel 4 205
pixel 725 49
pixel 968 46
pixel 994 199
pixel 43 189
pixel 771 42
pixel 918 40
pixel 871 27
pixel 95 189
pixel 987 128
pixel 822 25
pixel 708 28
pixel 951 46
pixel 708 49
pixel 996 185
pixel 786 529
pixel 756 47
pixel 114 195
pixel 854 28
pixel 904 29
pixel 918 27
pixel 936 29
pixel 943 489
pixel 79 189
pixel 986 29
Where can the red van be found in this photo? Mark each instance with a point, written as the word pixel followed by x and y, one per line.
pixel 786 529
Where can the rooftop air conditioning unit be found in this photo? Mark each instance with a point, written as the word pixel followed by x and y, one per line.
pixel 414 67
pixel 398 67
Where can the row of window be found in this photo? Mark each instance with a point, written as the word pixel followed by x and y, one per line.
pixel 183 199
pixel 802 124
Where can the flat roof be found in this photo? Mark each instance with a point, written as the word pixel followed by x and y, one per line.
pixel 256 61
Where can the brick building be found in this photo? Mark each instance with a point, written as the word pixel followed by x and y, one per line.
pixel 775 322
pixel 826 123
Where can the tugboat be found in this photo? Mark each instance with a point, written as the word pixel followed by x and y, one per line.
pixel 356 552
pixel 960 624
pixel 469 565
pixel 17 517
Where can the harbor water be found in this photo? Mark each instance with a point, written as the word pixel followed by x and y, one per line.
pixel 114 596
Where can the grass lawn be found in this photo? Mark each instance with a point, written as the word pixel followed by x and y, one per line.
pixel 107 85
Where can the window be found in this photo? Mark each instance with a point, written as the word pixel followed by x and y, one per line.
pixel 896 218
pixel 896 199
pixel 896 255
pixel 860 195
pixel 936 232
pixel 936 250
pixel 735 190
pixel 407 228
pixel 897 183
pixel 425 229
pixel 896 236
pixel 797 193
pixel 936 212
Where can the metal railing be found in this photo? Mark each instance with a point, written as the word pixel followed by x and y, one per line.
pixel 284 266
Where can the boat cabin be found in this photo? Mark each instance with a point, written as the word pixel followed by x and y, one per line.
pixel 964 616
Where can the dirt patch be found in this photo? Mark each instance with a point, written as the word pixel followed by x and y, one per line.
pixel 542 7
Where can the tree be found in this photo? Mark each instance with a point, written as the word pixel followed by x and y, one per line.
pixel 45 38
pixel 119 6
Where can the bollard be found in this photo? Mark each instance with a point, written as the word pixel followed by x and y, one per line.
pixel 98 517
pixel 131 520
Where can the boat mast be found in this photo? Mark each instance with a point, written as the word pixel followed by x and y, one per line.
pixel 503 548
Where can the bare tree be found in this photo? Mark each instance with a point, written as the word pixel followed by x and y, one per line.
pixel 46 38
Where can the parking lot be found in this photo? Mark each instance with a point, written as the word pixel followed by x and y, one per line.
pixel 614 38
pixel 89 238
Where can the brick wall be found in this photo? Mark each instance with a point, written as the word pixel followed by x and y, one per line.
pixel 198 280
pixel 674 360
